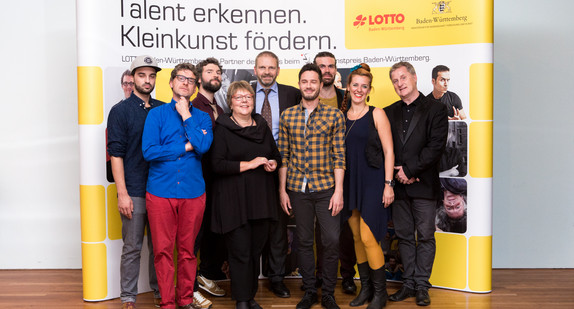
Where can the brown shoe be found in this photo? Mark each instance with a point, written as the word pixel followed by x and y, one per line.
pixel 157 302
pixel 201 302
pixel 129 305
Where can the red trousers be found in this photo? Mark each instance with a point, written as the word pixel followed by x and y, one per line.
pixel 173 222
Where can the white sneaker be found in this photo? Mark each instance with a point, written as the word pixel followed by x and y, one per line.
pixel 201 302
pixel 210 286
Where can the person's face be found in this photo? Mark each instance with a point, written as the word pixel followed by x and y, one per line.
pixel 266 69
pixel 338 80
pixel 184 88
pixel 211 78
pixel 242 102
pixel 127 85
pixel 404 82
pixel 144 80
pixel 310 85
pixel 453 204
pixel 328 70
pixel 359 88
pixel 440 84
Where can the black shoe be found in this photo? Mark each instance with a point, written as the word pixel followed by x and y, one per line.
pixel 308 300
pixel 367 291
pixel 402 294
pixel 279 289
pixel 254 305
pixel 241 305
pixel 349 286
pixel 328 301
pixel 423 298
pixel 379 280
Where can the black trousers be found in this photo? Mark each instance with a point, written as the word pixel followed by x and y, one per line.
pixel 417 253
pixel 212 252
pixel 211 247
pixel 275 251
pixel 244 246
pixel 347 256
pixel 307 207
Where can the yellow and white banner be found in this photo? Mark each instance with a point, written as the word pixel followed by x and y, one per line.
pixel 427 33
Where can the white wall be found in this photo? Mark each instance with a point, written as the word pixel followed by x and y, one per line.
pixel 533 134
pixel 39 174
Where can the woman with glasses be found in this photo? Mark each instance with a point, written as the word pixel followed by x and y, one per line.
pixel 244 159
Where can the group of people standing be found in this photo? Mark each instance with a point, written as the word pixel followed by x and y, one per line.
pixel 316 153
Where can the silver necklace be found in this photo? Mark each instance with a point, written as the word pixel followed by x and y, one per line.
pixel 347 133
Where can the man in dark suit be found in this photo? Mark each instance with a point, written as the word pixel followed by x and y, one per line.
pixel 419 127
pixel 271 99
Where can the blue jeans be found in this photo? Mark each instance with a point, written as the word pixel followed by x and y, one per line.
pixel 132 235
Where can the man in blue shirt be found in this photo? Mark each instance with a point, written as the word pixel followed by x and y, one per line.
pixel 271 99
pixel 175 137
pixel 125 126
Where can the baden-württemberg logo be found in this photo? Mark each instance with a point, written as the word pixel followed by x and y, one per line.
pixel 441 7
pixel 444 16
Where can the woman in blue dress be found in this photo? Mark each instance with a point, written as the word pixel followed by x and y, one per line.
pixel 368 184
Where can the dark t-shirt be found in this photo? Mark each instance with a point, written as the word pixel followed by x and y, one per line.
pixel 450 99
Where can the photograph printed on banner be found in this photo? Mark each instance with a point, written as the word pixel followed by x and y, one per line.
pixel 229 76
pixel 454 160
pixel 127 86
pixel 440 79
pixel 451 209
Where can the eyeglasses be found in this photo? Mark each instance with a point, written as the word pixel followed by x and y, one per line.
pixel 125 84
pixel 243 97
pixel 182 79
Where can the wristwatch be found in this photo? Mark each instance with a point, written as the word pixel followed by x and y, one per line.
pixel 391 182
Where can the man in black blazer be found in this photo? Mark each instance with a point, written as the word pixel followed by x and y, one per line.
pixel 419 128
pixel 279 97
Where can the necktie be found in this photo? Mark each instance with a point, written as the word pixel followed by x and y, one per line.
pixel 214 107
pixel 266 109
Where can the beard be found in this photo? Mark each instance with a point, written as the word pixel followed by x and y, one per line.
pixel 209 86
pixel 312 96
pixel 264 84
pixel 328 83
pixel 141 90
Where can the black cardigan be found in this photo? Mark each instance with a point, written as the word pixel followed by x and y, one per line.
pixel 253 194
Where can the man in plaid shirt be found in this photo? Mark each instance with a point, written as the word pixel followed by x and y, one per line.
pixel 311 142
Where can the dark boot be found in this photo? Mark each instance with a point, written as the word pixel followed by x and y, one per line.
pixel 379 279
pixel 366 293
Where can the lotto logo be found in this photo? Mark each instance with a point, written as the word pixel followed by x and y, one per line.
pixel 361 20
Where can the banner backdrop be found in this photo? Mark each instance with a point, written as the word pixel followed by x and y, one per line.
pixel 426 33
